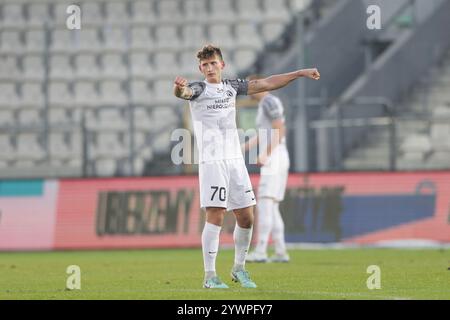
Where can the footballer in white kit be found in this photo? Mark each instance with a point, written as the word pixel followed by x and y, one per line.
pixel 274 172
pixel 223 178
pixel 274 160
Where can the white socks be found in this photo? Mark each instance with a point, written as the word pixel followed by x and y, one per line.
pixel 278 231
pixel 270 221
pixel 265 223
pixel 242 238
pixel 210 246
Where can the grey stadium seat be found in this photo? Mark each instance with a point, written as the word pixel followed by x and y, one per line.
pixel 140 66
pixel 113 67
pixel 32 95
pixel 60 67
pixel 13 15
pixel 141 93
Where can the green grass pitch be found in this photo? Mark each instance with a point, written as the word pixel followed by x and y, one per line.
pixel 178 274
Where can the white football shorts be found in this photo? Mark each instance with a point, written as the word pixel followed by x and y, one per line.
pixel 274 174
pixel 225 184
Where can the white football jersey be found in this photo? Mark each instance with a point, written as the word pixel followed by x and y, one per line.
pixel 213 110
pixel 269 108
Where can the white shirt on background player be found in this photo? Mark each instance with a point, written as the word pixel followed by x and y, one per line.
pixel 269 108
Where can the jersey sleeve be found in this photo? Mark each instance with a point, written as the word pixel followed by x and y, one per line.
pixel 272 108
pixel 240 85
pixel 197 89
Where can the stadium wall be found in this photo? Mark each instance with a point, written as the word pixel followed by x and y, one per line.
pixel 163 212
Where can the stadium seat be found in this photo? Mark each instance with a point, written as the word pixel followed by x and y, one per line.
pixel 113 120
pixel 91 13
pixel 8 150
pixel 59 149
pixel 167 38
pixel 13 15
pixel 60 67
pixel 60 95
pixel 161 142
pixel 113 94
pixel 142 119
pixel 35 41
pixel 10 97
pixel 142 145
pixel 440 136
pixel 166 65
pixel 222 11
pixel 189 66
pixel 30 118
pixel 113 66
pixel 243 59
pixel 115 39
pixel 86 95
pixel 108 145
pixel 86 66
pixel 221 35
pixel 141 93
pixel 116 13
pixel 58 117
pixel 65 152
pixel 248 36
pixel 6 118
pixel 249 10
pixel 418 143
pixel 33 68
pixel 10 42
pixel 143 12
pixel 230 70
pixel 441 111
pixel 105 167
pixel 139 165
pixel 193 37
pixel 194 11
pixel 38 15
pixel 168 11
pixel 139 140
pixel 88 40
pixel 272 30
pixel 140 66
pixel 163 92
pixel 28 147
pixel 298 5
pixel 32 96
pixel 167 113
pixel 10 70
pixel 438 160
pixel 141 39
pixel 276 10
pixel 62 41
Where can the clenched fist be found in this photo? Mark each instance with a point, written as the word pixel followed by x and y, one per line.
pixel 180 82
pixel 311 73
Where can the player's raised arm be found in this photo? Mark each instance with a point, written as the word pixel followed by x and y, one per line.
pixel 280 80
pixel 181 89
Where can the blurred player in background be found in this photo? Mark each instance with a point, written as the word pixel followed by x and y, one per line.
pixel 223 177
pixel 273 158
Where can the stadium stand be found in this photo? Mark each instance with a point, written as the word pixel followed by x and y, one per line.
pixel 64 88
pixel 423 130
